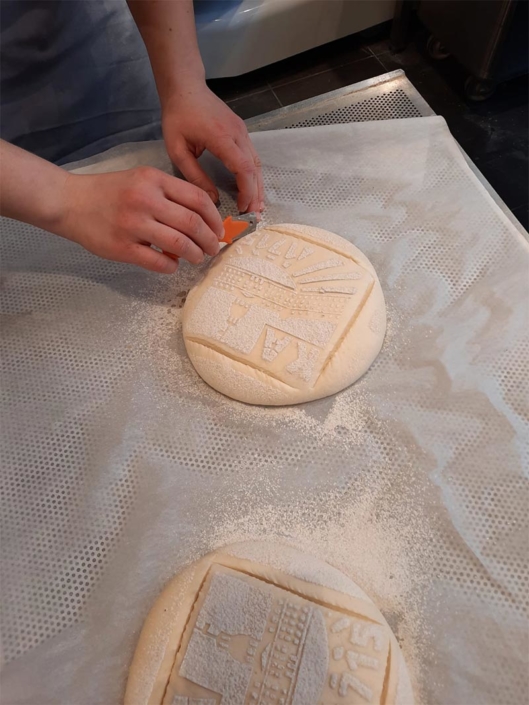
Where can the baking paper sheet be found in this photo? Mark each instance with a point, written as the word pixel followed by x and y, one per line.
pixel 119 466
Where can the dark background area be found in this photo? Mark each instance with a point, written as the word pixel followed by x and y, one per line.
pixel 494 133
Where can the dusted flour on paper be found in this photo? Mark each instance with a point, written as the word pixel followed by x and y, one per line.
pixel 120 466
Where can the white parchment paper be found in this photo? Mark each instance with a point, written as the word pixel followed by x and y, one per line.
pixel 119 466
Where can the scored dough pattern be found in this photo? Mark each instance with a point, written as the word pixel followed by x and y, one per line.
pixel 250 642
pixel 279 305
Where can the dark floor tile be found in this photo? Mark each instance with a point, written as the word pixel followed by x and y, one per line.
pixel 439 93
pixel 317 60
pixel 255 104
pixel 486 137
pixel 418 65
pixel 522 213
pixel 239 86
pixel 483 129
pixel 376 33
pixel 331 80
pixel 380 46
pixel 338 53
pixel 507 97
pixel 508 175
pixel 493 133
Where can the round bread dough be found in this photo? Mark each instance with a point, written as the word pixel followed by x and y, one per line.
pixel 265 624
pixel 285 315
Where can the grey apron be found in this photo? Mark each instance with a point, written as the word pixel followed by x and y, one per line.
pixel 75 78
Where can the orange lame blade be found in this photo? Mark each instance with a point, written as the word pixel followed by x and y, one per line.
pixel 233 228
pixel 170 254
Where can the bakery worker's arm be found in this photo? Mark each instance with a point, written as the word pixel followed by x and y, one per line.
pixel 193 118
pixel 117 216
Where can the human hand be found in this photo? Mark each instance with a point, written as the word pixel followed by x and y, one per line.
pixel 193 120
pixel 119 216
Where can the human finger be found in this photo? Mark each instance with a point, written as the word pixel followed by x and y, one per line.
pixel 259 173
pixel 246 147
pixel 194 199
pixel 241 165
pixel 188 222
pixel 146 257
pixel 174 242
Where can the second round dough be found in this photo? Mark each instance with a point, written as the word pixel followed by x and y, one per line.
pixel 264 623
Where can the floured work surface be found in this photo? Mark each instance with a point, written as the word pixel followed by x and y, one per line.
pixel 120 466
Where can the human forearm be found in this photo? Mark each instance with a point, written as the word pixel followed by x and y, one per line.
pixel 31 189
pixel 168 30
pixel 193 119
pixel 116 215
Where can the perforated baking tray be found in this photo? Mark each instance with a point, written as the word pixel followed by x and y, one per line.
pixel 118 466
pixel 384 97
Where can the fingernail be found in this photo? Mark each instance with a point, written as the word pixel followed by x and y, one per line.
pixel 214 197
pixel 262 206
pixel 221 236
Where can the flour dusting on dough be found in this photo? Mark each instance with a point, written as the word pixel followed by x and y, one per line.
pixel 276 287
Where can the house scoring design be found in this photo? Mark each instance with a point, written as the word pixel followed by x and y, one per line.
pixel 280 304
pixel 251 642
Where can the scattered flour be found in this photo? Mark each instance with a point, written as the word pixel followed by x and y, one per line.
pixel 157 336
pixel 370 525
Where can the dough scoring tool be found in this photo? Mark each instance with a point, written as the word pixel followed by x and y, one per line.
pixel 235 227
